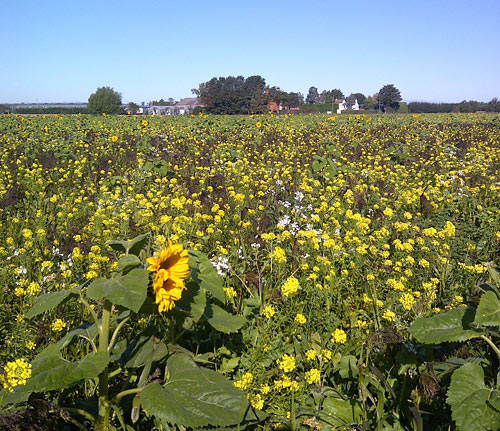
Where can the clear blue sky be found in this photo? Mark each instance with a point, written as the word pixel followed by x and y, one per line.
pixel 61 51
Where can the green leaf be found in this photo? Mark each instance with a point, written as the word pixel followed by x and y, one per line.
pixel 193 301
pixel 488 311
pixel 19 395
pixel 128 262
pixel 195 397
pixel 48 302
pixel 134 246
pixel 338 411
pixel 221 320
pixel 128 290
pixel 473 404
pixel 51 372
pixel 454 325
pixel 495 276
pixel 206 274
pixel 348 367
pixel 88 330
pixel 146 347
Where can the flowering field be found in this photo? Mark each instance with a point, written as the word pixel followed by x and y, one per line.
pixel 328 238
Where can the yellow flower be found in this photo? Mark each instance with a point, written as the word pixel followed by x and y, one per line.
pixel 171 268
pixel 245 381
pixel 229 292
pixel 15 373
pixel 311 355
pixel 389 315
pixel 257 402
pixel 290 286
pixel 286 363
pixel 114 138
pixel 300 319
pixel 278 254
pixel 58 325
pixel 144 123
pixel 339 336
pixel 258 124
pixel 312 376
pixel 268 311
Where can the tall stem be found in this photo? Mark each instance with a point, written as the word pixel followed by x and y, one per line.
pixel 492 345
pixel 103 423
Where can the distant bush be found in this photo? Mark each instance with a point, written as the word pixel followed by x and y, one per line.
pixel 403 108
pixel 323 108
pixel 50 110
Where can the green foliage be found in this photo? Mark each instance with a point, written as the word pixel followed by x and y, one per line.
pixel 233 95
pixel 474 405
pixel 104 101
pixel 312 95
pixel 454 325
pixel 196 397
pixel 403 108
pixel 315 108
pixel 48 302
pixel 127 290
pixel 191 396
pixel 389 96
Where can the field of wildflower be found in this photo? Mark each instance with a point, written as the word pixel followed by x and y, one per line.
pixel 328 237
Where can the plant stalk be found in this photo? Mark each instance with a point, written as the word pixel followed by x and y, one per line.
pixel 104 408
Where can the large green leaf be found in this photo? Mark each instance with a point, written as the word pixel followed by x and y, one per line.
pixel 128 262
pixel 51 372
pixel 474 406
pixel 339 411
pixel 206 274
pixel 134 246
pixel 146 346
pixel 348 367
pixel 128 290
pixel 193 301
pixel 48 302
pixel 195 397
pixel 223 321
pixel 488 310
pixel 88 330
pixel 454 325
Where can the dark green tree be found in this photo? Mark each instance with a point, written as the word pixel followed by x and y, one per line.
pixel 233 95
pixel 494 105
pixel 104 100
pixel 360 97
pixel 329 96
pixel 389 96
pixel 312 95
pixel 133 108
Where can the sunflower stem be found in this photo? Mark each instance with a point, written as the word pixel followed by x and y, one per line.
pixel 115 333
pixel 104 408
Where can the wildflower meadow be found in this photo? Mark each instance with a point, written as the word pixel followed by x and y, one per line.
pixel 293 272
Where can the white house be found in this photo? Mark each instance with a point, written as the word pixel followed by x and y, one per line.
pixel 343 105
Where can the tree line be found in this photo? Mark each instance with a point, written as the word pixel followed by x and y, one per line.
pixel 464 106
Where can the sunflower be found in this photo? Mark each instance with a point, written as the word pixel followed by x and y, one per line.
pixel 171 268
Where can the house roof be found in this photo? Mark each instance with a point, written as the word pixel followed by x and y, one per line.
pixel 188 101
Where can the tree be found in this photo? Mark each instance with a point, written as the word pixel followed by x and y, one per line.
pixel 329 96
pixel 233 95
pixel 360 97
pixel 133 107
pixel 369 103
pixel 104 100
pixel 313 95
pixel 494 105
pixel 389 96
